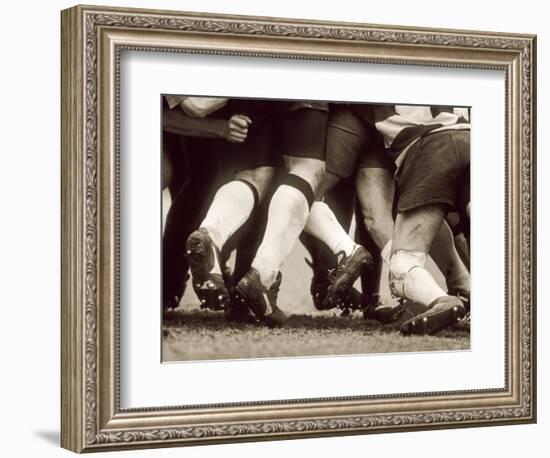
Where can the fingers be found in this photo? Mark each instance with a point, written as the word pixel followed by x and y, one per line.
pixel 234 130
pixel 238 128
pixel 241 121
pixel 239 137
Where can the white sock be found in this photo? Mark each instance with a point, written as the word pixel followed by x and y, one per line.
pixel 230 209
pixel 421 287
pixel 323 224
pixel 288 211
pixel 409 278
pixel 385 254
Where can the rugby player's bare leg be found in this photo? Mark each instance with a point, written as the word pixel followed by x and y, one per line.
pixel 288 212
pixel 325 236
pixel 351 257
pixel 445 255
pixel 375 191
pixel 232 206
pixel 234 202
pixel 413 235
pixel 346 139
pixel 375 187
pixel 287 215
pixel 336 194
pixel 323 224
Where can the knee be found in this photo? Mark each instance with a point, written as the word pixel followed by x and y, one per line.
pixel 401 263
pixel 312 171
pixel 261 178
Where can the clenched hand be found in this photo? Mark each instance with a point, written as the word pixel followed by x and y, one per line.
pixel 237 128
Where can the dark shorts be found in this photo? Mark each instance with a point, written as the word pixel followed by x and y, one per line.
pixel 278 128
pixel 352 144
pixel 436 170
pixel 262 145
pixel 304 133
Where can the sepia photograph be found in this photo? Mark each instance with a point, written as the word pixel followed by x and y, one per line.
pixel 295 228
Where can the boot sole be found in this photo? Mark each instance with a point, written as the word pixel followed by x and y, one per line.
pixel 431 323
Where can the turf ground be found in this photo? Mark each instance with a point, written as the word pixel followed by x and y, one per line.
pixel 193 334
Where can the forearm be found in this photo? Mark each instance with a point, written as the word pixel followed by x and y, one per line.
pixel 177 122
pixel 200 107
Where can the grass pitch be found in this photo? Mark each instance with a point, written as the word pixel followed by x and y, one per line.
pixel 190 334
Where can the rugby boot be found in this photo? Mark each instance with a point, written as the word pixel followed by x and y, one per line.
pixel 441 313
pixel 463 293
pixel 381 311
pixel 203 255
pixel 172 303
pixel 238 310
pixel 349 268
pixel 353 301
pixel 319 287
pixel 262 301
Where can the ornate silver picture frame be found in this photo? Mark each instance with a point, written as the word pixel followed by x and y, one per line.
pixel 93 39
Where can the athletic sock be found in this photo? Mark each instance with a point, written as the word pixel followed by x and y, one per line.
pixel 287 215
pixel 385 254
pixel 421 287
pixel 409 278
pixel 230 209
pixel 322 224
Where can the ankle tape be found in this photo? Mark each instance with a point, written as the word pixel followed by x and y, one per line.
pixel 401 263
